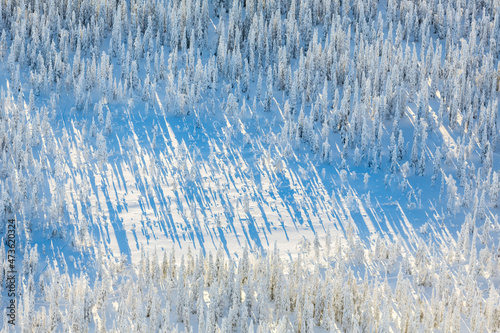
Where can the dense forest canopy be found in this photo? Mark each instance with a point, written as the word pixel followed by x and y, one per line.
pixel 241 101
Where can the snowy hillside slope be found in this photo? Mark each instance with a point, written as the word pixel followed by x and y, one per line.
pixel 358 138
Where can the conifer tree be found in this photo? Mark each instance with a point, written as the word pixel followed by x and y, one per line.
pixel 102 152
pixel 436 170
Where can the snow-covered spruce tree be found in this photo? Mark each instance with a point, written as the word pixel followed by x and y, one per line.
pixel 436 170
pixel 269 92
pixel 102 151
